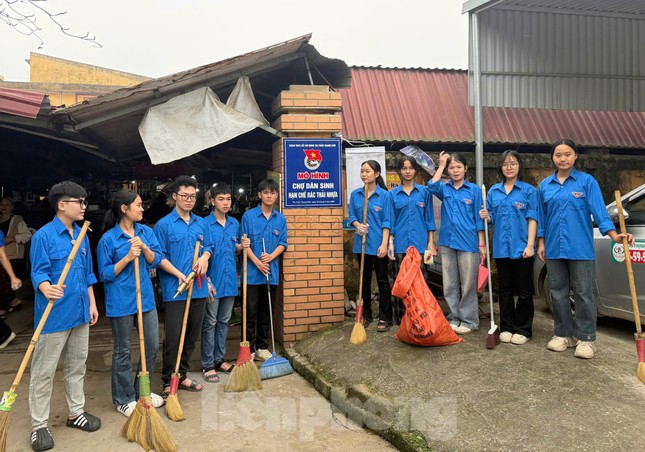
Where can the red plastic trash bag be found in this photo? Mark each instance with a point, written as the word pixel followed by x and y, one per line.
pixel 482 276
pixel 423 323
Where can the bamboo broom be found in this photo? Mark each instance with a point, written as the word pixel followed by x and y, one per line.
pixel 145 426
pixel 639 337
pixel 9 397
pixel 173 408
pixel 245 375
pixel 359 336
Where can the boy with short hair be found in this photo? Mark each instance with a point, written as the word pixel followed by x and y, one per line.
pixel 177 234
pixel 263 222
pixel 67 329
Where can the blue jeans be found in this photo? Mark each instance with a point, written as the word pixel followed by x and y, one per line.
pixel 215 330
pixel 123 389
pixel 580 276
pixel 459 271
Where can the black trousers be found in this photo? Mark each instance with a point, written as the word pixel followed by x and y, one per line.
pixel 516 278
pixel 173 322
pixel 5 331
pixel 258 326
pixel 380 267
pixel 397 304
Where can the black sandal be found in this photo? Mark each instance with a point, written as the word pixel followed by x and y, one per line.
pixel 383 326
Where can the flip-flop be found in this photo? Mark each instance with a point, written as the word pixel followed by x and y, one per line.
pixel 210 378
pixel 192 387
pixel 222 369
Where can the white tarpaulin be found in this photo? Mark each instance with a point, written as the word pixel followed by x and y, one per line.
pixel 192 122
pixel 243 100
pixel 353 159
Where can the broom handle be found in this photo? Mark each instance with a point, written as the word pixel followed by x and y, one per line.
pixel 186 309
pixel 50 305
pixel 270 307
pixel 142 345
pixel 245 266
pixel 628 262
pixel 490 282
pixel 360 279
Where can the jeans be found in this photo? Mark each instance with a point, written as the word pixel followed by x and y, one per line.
pixel 459 274
pixel 258 326
pixel 215 330
pixel 398 306
pixel 123 390
pixel 516 277
pixel 380 266
pixel 73 345
pixel 580 276
pixel 174 319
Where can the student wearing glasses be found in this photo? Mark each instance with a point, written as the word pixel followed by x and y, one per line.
pixel 67 329
pixel 177 234
pixel 511 206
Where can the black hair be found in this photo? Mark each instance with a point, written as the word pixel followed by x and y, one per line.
pixel 268 184
pixel 407 158
pixel 516 156
pixel 114 213
pixel 64 190
pixel 457 157
pixel 565 141
pixel 220 189
pixel 183 181
pixel 376 167
pixel 7 198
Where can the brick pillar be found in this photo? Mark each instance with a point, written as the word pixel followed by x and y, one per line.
pixel 312 289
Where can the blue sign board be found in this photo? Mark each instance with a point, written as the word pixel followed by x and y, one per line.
pixel 312 172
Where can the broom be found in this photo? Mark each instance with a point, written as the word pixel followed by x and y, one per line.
pixel 145 426
pixel 492 340
pixel 358 333
pixel 173 408
pixel 245 375
pixel 276 366
pixel 9 397
pixel 639 337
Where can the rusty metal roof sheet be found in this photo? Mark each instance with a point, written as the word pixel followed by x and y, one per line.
pixel 20 103
pixel 430 105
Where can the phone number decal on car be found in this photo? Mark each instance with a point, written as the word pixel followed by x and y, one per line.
pixel 636 252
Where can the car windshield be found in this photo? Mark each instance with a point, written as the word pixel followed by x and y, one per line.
pixel 636 212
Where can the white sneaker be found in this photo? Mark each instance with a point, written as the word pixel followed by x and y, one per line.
pixel 585 349
pixel 560 344
pixel 505 336
pixel 11 337
pixel 127 408
pixel 263 354
pixel 157 400
pixel 519 339
pixel 463 330
pixel 453 326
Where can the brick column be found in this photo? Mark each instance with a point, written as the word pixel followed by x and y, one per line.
pixel 312 288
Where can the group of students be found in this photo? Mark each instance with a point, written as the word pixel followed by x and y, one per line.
pixel 170 248
pixel 554 221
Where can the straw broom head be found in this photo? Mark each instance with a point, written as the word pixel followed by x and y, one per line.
pixel 245 375
pixel 174 411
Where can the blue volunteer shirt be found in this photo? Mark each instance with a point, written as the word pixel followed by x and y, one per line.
pixel 120 291
pixel 413 218
pixel 222 269
pixel 1 238
pixel 380 215
pixel 564 212
pixel 50 248
pixel 460 221
pixel 177 240
pixel 510 214
pixel 274 232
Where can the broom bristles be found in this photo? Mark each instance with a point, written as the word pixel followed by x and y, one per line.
pixel 245 375
pixel 173 407
pixel 359 336
pixel 4 428
pixel 275 367
pixel 640 372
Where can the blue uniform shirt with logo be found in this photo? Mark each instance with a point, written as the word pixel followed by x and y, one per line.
pixel 222 269
pixel 120 294
pixel 380 215
pixel 274 232
pixel 510 214
pixel 460 221
pixel 564 213
pixel 177 240
pixel 50 248
pixel 413 218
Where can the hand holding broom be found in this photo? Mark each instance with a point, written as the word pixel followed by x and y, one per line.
pixel 359 336
pixel 9 397
pixel 639 337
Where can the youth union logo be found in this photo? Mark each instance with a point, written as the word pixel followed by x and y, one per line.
pixel 576 194
pixel 313 158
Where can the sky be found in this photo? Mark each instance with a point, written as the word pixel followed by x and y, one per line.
pixel 160 37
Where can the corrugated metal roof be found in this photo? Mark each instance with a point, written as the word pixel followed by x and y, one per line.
pixel 603 6
pixel 432 106
pixel 20 103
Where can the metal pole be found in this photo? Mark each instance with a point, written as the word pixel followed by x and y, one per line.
pixel 477 101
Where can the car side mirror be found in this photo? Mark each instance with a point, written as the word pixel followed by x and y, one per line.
pixel 613 214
